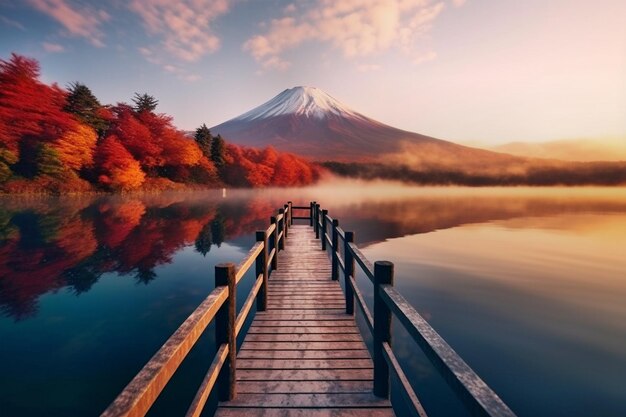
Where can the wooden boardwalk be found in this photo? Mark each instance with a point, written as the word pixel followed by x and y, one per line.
pixel 304 356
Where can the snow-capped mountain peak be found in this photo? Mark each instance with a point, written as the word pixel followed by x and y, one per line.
pixel 302 101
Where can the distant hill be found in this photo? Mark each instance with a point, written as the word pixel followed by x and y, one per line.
pixel 583 150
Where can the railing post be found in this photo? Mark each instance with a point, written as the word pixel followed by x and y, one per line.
pixel 323 236
pixel 225 320
pixel 290 213
pixel 316 220
pixel 335 251
pixel 383 274
pixel 311 214
pixel 349 260
pixel 281 241
pixel 274 243
pixel 261 268
pixel 286 219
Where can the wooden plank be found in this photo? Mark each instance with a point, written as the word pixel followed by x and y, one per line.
pixel 303 330
pixel 303 412
pixel 326 338
pixel 305 375
pixel 304 364
pixel 304 387
pixel 302 345
pixel 364 400
pixel 303 323
pixel 304 354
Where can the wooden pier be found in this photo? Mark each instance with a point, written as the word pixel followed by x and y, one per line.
pixel 303 351
pixel 303 354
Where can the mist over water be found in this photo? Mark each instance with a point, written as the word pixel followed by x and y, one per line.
pixel 526 284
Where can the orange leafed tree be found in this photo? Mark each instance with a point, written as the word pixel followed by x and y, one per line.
pixel 118 169
pixel 76 147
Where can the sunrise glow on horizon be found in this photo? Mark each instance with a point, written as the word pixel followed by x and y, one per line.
pixel 476 71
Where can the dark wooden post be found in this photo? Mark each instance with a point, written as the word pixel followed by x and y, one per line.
pixel 290 212
pixel 274 243
pixel 261 268
pixel 349 260
pixel 383 274
pixel 311 214
pixel 323 235
pixel 317 221
pixel 225 330
pixel 335 251
pixel 286 220
pixel 281 241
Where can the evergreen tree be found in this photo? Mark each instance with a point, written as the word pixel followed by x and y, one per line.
pixel 203 139
pixel 144 102
pixel 218 150
pixel 85 106
pixel 204 240
pixel 218 230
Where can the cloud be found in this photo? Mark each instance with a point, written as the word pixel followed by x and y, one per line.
pixel 458 3
pixel 357 28
pixel 13 23
pixel 180 72
pixel 183 26
pixel 368 67
pixel 53 47
pixel 82 22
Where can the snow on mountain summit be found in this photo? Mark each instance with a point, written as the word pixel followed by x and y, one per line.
pixel 302 101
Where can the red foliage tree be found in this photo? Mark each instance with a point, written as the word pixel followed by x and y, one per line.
pixel 29 108
pixel 117 168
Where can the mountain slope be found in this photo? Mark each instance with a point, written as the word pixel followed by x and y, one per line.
pixel 309 122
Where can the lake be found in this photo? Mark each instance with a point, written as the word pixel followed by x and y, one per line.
pixel 527 285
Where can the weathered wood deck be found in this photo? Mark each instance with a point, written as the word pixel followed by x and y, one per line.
pixel 304 356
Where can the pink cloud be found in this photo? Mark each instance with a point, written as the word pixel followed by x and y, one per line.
pixel 80 22
pixel 53 47
pixel 183 26
pixel 357 28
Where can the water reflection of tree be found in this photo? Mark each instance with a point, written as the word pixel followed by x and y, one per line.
pixel 45 248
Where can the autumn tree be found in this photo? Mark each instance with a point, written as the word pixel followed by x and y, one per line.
pixel 48 162
pixel 135 136
pixel 145 102
pixel 76 147
pixel 203 139
pixel 117 168
pixel 30 112
pixel 84 105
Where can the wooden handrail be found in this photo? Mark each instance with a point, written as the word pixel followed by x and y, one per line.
pixel 247 262
pixel 457 373
pixel 471 389
pixel 220 305
pixel 139 395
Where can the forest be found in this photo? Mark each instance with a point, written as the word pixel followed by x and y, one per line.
pixel 63 140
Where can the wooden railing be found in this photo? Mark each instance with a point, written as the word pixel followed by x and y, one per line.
pixel 221 306
pixel 477 397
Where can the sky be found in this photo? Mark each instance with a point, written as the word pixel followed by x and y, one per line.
pixel 469 71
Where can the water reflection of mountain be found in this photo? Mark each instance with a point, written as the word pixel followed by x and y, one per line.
pixel 49 244
pixel 375 222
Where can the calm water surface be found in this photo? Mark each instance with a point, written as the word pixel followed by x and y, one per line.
pixel 527 285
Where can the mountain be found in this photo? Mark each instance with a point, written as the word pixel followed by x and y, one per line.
pixel 309 122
